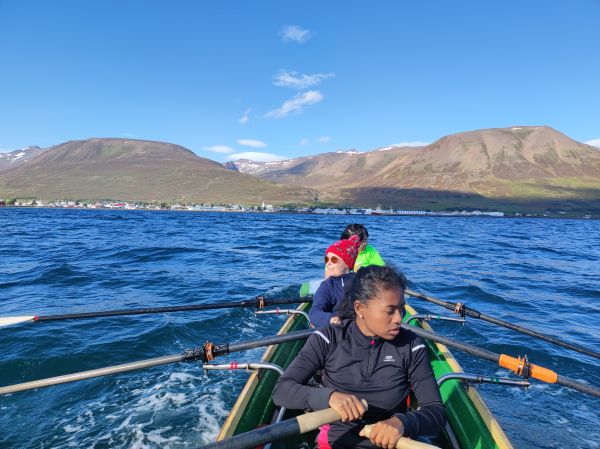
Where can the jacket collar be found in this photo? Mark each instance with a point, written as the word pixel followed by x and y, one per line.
pixel 363 339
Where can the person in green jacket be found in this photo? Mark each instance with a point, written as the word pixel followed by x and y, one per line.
pixel 367 255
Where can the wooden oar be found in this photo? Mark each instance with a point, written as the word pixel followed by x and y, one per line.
pixel 295 426
pixel 519 365
pixel 463 310
pixel 205 353
pixel 258 302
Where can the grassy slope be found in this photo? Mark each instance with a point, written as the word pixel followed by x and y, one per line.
pixel 139 171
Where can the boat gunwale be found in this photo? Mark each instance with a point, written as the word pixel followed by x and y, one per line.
pixel 229 426
pixel 499 436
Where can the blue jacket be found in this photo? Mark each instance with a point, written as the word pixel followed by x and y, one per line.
pixel 328 299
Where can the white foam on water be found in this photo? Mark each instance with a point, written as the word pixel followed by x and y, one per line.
pixel 156 437
pixel 183 377
pixel 274 290
pixel 70 429
pixel 540 386
pixel 160 401
pixel 212 413
pixel 562 420
pixel 173 410
pixel 142 440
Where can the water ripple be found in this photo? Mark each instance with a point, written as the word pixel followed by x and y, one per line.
pixel 543 274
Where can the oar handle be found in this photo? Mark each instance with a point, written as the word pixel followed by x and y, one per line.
pixel 314 420
pixel 403 442
pixel 273 432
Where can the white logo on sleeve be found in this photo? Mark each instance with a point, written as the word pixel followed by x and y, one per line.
pixel 389 358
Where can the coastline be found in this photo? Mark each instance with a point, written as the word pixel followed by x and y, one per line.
pixel 425 214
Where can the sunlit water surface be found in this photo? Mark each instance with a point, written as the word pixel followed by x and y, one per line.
pixel 544 274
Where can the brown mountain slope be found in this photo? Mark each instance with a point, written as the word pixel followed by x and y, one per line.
pixel 519 164
pixel 137 170
pixel 491 162
pixel 327 170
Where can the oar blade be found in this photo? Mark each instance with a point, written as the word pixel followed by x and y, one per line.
pixel 10 320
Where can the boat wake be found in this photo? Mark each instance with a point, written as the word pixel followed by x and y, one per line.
pixel 148 415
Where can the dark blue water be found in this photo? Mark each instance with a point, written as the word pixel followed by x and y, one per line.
pixel 539 273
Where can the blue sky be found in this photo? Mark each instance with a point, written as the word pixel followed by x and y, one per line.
pixel 294 78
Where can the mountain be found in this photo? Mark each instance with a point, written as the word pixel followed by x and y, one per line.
pixel 522 168
pixel 256 168
pixel 523 164
pixel 230 165
pixel 266 168
pixel 138 170
pixel 11 160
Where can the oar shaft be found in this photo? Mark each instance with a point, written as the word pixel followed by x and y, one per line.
pixel 532 333
pixel 258 437
pixel 187 356
pixel 465 347
pixel 301 424
pixel 490 319
pixel 169 309
pixel 294 426
pixel 267 341
pixel 537 372
pixel 92 373
pixel 430 299
pixel 584 388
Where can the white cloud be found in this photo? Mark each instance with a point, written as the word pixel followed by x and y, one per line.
pixel 416 143
pixel 593 142
pixel 304 142
pixel 129 135
pixel 257 157
pixel 219 149
pixel 324 139
pixel 252 143
pixel 300 81
pixel 245 117
pixel 296 104
pixel 293 33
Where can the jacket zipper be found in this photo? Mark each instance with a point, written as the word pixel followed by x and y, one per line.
pixel 372 344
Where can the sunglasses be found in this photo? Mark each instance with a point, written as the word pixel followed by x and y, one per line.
pixel 334 259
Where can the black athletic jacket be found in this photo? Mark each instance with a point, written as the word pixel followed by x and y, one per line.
pixel 382 372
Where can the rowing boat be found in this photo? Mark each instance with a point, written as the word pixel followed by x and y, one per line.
pixel 470 422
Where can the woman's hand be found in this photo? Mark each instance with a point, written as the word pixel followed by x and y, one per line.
pixel 348 406
pixel 386 433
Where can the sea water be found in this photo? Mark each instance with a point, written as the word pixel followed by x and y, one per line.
pixel 540 273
